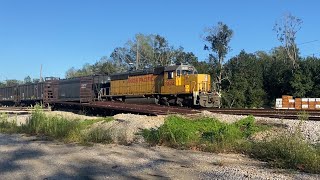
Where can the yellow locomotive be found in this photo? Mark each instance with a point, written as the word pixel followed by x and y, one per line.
pixel 172 85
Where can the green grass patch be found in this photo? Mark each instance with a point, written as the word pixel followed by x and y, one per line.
pixel 99 135
pixel 7 126
pixel 56 127
pixel 287 152
pixel 207 134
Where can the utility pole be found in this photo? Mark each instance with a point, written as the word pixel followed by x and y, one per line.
pixel 41 73
pixel 137 61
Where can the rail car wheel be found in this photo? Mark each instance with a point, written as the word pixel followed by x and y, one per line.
pixel 179 102
pixel 164 101
pixel 157 100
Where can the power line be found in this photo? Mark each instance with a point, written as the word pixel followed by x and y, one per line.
pixel 308 42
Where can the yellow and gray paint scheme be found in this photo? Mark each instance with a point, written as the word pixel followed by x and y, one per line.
pixel 176 84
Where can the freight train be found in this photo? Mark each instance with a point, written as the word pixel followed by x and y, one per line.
pixel 178 84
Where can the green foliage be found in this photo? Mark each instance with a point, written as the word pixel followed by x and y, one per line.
pixel 303 116
pixel 7 126
pixel 57 127
pixel 53 126
pixel 99 135
pixel 181 132
pixel 218 38
pixel 246 76
pixel 287 151
pixel 153 50
pixel 27 80
pixel 284 151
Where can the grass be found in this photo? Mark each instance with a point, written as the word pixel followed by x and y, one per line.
pixel 56 127
pixel 207 134
pixel 99 135
pixel 7 126
pixel 286 151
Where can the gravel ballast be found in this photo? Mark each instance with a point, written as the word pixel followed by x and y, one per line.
pixel 309 129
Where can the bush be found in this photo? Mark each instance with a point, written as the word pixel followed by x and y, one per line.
pixel 99 135
pixel 7 126
pixel 57 127
pixel 52 126
pixel 287 151
pixel 205 133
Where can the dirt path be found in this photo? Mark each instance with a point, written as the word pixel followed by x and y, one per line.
pixel 29 158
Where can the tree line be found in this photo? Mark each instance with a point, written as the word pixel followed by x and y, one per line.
pixel 245 80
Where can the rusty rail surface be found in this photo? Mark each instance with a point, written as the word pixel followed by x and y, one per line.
pixel 152 109
pixel 272 113
pixel 120 107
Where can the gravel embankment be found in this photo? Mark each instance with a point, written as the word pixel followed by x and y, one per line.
pixel 126 127
pixel 309 129
pixel 28 158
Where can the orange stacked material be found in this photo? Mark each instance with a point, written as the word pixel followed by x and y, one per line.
pixel 312 103
pixel 298 103
pixel 291 103
pixel 285 101
pixel 305 103
pixel 317 103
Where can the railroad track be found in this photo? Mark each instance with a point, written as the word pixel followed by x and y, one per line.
pixel 272 113
pixel 152 109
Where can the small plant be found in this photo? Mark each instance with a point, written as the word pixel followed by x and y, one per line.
pixel 6 125
pixel 99 135
pixel 303 116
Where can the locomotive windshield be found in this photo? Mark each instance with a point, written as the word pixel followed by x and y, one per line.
pixel 180 70
pixel 185 72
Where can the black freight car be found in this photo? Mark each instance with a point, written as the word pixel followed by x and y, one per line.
pixel 8 95
pixel 30 94
pixel 83 89
pixel 69 90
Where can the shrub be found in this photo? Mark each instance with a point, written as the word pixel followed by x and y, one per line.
pixel 57 127
pixel 99 135
pixel 205 133
pixel 53 126
pixel 7 126
pixel 287 151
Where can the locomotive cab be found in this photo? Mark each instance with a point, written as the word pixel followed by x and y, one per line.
pixel 190 87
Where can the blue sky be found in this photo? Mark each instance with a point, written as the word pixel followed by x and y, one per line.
pixel 69 33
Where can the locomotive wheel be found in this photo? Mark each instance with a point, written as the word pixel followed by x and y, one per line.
pixel 179 102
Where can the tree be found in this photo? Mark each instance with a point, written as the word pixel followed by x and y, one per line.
pixel 286 29
pixel 121 58
pixel 12 82
pixel 180 56
pixel 218 39
pixel 36 80
pixel 27 80
pixel 106 66
pixel 2 84
pixel 150 51
pixel 246 78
